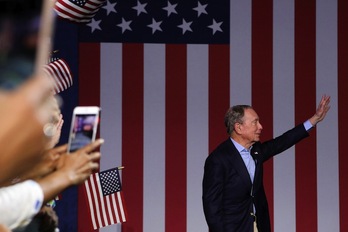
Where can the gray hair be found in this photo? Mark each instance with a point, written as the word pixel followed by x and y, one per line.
pixel 234 115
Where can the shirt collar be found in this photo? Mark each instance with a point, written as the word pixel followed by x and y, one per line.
pixel 239 147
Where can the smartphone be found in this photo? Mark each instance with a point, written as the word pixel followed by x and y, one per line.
pixel 84 125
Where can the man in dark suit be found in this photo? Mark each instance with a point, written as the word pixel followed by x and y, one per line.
pixel 234 199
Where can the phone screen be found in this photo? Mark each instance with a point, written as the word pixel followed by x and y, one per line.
pixel 83 130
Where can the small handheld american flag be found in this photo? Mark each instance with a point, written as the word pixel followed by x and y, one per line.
pixel 59 71
pixel 105 198
pixel 80 11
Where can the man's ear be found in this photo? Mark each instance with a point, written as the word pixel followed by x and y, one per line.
pixel 237 128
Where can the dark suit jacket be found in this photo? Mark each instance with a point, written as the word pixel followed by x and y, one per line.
pixel 228 193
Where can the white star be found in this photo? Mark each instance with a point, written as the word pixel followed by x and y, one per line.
pixel 94 25
pixel 155 26
pixel 201 9
pixel 170 9
pixel 185 26
pixel 125 25
pixel 140 8
pixel 215 26
pixel 110 7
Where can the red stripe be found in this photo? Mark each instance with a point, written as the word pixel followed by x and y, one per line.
pixel 89 94
pixel 343 110
pixel 176 93
pixel 219 92
pixel 262 82
pixel 133 133
pixel 89 74
pixel 305 105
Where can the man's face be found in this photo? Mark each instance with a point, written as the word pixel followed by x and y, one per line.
pixel 250 129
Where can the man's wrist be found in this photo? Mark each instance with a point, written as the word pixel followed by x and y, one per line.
pixel 308 125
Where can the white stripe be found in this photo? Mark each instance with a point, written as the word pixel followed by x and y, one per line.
pixel 154 138
pixel 197 133
pixel 111 107
pixel 283 112
pixel 327 131
pixel 240 52
pixel 90 202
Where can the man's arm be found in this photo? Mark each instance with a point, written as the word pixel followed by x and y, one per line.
pixel 212 194
pixel 293 136
pixel 19 203
pixel 23 113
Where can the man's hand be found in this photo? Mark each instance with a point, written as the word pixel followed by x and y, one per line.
pixel 78 166
pixel 322 109
pixel 71 169
pixel 47 164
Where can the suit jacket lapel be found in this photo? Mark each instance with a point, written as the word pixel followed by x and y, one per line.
pixel 257 156
pixel 236 160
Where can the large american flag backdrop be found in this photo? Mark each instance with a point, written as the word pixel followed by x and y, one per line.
pixel 164 74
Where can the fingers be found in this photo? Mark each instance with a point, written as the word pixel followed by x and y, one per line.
pixel 324 104
pixel 92 146
pixel 95 156
pixel 80 165
pixel 323 108
pixel 325 100
pixel 60 149
pixel 91 163
pixel 94 166
pixel 60 122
